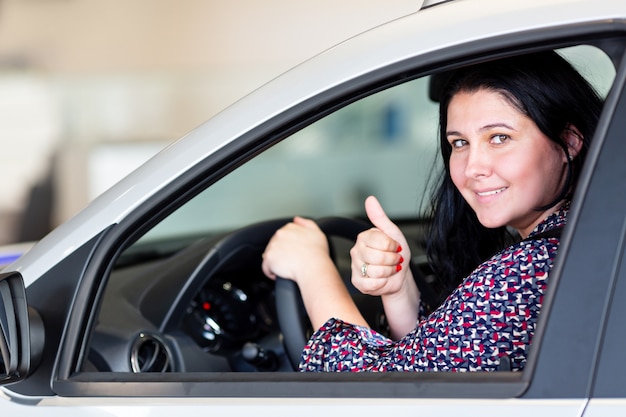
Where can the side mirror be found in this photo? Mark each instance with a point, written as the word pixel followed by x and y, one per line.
pixel 15 352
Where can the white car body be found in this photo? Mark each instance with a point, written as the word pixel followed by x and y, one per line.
pixel 432 29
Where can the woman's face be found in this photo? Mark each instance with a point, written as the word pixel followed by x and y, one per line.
pixel 501 163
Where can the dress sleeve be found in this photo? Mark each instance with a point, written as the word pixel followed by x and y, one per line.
pixel 490 315
pixel 339 346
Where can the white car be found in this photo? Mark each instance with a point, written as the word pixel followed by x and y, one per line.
pixel 151 301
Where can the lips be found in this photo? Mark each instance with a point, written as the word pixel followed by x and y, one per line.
pixel 490 192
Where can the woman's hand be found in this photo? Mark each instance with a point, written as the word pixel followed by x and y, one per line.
pixel 293 248
pixel 380 266
pixel 383 250
pixel 299 251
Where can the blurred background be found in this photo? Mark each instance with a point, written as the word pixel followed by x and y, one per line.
pixel 89 89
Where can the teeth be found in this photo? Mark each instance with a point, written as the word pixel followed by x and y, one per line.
pixel 486 193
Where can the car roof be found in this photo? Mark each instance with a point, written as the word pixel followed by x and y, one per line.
pixel 430 29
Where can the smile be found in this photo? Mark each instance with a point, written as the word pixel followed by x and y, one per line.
pixel 493 192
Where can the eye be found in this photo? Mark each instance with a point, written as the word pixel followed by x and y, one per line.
pixel 458 143
pixel 499 139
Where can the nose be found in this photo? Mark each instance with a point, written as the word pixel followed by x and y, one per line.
pixel 478 163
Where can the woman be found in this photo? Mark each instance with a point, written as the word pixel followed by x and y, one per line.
pixel 513 136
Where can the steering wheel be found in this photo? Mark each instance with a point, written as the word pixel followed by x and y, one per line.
pixel 292 317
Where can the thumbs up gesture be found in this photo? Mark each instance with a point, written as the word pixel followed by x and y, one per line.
pixel 380 256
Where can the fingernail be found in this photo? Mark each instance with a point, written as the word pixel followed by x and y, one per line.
pixel 398 267
pixel 399 249
pixel 401 259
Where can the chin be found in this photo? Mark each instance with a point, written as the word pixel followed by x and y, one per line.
pixel 491 223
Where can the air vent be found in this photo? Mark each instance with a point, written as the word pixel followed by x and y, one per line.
pixel 150 354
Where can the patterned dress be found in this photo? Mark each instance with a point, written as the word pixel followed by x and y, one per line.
pixel 492 314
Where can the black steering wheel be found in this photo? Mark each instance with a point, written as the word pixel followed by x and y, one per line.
pixel 292 317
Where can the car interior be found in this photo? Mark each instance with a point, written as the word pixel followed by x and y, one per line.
pixel 187 294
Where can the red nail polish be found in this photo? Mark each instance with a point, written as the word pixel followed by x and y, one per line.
pixel 401 259
pixel 399 249
pixel 398 267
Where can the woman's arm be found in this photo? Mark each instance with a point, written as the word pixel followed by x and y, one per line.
pixel 402 308
pixel 299 251
pixel 385 252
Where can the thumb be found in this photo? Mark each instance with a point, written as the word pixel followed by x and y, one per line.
pixel 379 219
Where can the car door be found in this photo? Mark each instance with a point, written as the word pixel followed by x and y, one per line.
pixel 608 391
pixel 549 386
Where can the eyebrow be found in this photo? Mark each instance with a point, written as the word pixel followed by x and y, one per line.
pixel 482 129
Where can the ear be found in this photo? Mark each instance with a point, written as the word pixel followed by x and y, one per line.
pixel 573 139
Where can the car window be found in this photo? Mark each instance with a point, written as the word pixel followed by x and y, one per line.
pixel 384 144
pixel 328 168
pixel 183 309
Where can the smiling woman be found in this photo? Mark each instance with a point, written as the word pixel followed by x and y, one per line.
pixel 505 168
pixel 514 134
pixel 540 100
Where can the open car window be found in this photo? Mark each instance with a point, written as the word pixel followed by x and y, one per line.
pixel 171 306
pixel 327 168
pixel 383 145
